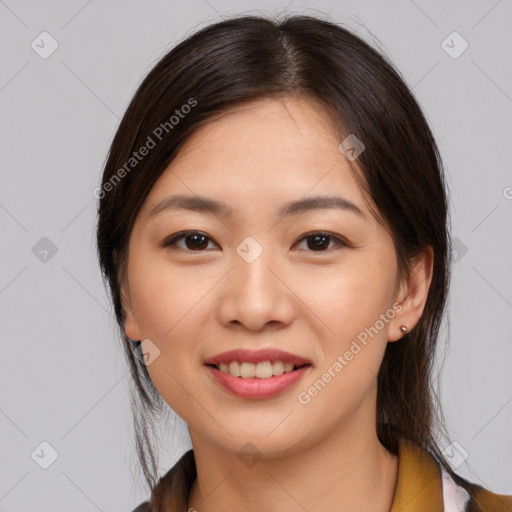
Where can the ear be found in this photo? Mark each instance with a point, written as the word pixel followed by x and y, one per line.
pixel 413 293
pixel 131 325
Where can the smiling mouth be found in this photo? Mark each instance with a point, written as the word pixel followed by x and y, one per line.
pixel 263 370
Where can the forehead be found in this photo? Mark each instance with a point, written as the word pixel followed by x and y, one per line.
pixel 263 129
pixel 267 150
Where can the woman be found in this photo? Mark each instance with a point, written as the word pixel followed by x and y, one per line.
pixel 273 230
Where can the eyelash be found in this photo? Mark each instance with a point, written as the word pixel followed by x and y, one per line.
pixel 170 243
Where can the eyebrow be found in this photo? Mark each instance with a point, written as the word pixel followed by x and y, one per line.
pixel 212 206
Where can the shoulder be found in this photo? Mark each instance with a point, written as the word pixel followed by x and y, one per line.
pixel 481 499
pixel 422 477
pixel 487 501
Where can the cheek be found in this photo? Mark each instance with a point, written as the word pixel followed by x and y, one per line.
pixel 354 336
pixel 168 307
pixel 171 310
pixel 163 296
pixel 351 305
pixel 352 298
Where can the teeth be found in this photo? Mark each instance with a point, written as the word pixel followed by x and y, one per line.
pixel 277 368
pixel 247 370
pixel 263 370
pixel 234 368
pixel 288 367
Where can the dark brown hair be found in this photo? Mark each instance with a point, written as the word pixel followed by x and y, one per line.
pixel 247 58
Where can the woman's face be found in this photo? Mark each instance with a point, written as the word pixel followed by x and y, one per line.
pixel 255 278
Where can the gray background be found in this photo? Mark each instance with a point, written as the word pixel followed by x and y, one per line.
pixel 63 378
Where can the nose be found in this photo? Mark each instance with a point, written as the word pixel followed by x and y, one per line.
pixel 256 294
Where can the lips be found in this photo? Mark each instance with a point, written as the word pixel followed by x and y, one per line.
pixel 254 389
pixel 257 356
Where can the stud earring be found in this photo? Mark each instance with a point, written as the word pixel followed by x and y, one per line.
pixel 403 328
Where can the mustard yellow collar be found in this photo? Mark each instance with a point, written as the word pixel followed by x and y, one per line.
pixel 419 485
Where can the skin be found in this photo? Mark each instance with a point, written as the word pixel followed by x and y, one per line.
pixel 194 304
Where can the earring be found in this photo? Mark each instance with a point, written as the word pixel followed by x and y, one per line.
pixel 403 328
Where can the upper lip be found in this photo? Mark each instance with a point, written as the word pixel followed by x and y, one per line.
pixel 257 356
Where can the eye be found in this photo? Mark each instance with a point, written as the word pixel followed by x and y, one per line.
pixel 318 241
pixel 194 241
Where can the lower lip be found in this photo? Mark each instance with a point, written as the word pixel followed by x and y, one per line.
pixel 257 388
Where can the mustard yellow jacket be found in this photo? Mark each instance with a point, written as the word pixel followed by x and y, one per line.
pixel 422 486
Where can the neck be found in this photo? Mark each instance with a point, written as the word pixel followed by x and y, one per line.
pixel 346 470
